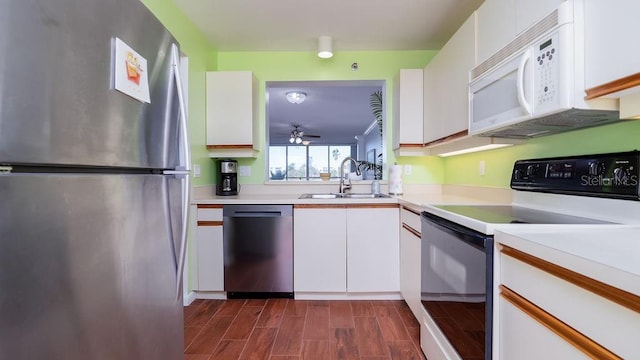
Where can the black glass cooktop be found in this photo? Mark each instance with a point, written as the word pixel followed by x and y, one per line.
pixel 507 214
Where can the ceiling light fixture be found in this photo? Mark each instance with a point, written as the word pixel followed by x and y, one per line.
pixel 296 136
pixel 325 50
pixel 296 97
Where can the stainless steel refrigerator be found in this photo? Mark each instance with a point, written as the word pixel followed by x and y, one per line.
pixel 93 183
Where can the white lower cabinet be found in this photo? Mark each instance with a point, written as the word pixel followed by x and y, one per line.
pixel 319 251
pixel 210 253
pixel 210 258
pixel 546 311
pixel 410 252
pixel 346 248
pixel 373 249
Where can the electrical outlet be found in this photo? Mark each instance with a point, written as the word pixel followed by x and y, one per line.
pixel 408 169
pixel 196 170
pixel 244 170
pixel 481 169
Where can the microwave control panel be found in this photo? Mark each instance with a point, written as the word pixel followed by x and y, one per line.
pixel 546 71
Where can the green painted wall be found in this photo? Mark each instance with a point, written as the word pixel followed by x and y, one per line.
pixel 624 136
pixel 298 66
pixel 288 66
pixel 202 58
pixel 425 169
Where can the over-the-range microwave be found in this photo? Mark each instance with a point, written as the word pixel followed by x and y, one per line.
pixel 534 86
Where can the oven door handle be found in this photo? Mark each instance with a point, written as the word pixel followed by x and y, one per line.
pixel 467 235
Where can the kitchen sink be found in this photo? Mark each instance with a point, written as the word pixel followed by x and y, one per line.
pixel 320 196
pixel 343 196
pixel 365 196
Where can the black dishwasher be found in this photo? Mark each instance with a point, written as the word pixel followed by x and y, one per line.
pixel 258 251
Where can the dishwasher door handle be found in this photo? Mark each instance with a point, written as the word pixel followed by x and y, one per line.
pixel 245 213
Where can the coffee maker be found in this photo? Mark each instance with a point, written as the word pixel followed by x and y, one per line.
pixel 227 177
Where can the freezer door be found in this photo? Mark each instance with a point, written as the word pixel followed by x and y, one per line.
pixel 88 267
pixel 57 105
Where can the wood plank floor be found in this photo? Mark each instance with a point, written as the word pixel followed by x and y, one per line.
pixel 284 329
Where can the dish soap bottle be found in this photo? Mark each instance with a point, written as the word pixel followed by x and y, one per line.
pixel 375 187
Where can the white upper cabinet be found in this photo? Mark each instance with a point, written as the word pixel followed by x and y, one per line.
pixel 446 85
pixel 529 12
pixel 496 26
pixel 500 21
pixel 610 52
pixel 407 113
pixel 232 114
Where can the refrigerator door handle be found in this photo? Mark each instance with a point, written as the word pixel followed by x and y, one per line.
pixel 186 186
pixel 185 157
pixel 184 167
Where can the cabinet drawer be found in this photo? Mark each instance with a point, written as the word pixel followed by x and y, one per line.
pixel 604 321
pixel 209 213
pixel 411 218
pixel 523 338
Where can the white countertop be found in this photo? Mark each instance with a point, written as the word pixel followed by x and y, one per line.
pixel 415 195
pixel 415 201
pixel 607 253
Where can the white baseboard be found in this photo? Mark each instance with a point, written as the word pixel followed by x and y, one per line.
pixel 211 295
pixel 188 298
pixel 347 296
pixel 221 295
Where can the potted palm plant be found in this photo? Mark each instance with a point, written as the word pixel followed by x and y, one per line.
pixel 375 164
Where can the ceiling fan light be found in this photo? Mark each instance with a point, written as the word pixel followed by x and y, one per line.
pixel 296 97
pixel 292 139
pixel 298 140
pixel 325 49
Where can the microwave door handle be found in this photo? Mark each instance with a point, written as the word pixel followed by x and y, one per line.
pixel 522 100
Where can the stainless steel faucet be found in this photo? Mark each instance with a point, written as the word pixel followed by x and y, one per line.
pixel 343 186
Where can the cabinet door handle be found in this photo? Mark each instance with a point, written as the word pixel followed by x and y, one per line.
pixel 571 335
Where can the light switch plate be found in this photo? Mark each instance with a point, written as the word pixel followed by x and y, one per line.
pixel 196 170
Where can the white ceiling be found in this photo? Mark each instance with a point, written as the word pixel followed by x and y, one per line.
pixel 354 25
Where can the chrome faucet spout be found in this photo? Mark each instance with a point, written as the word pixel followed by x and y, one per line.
pixel 344 187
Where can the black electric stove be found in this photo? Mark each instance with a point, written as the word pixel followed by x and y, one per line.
pixel 508 214
pixel 457 240
pixel 613 175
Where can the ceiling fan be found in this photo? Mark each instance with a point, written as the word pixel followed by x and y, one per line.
pixel 297 136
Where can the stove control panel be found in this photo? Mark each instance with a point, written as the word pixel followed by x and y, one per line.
pixel 615 175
